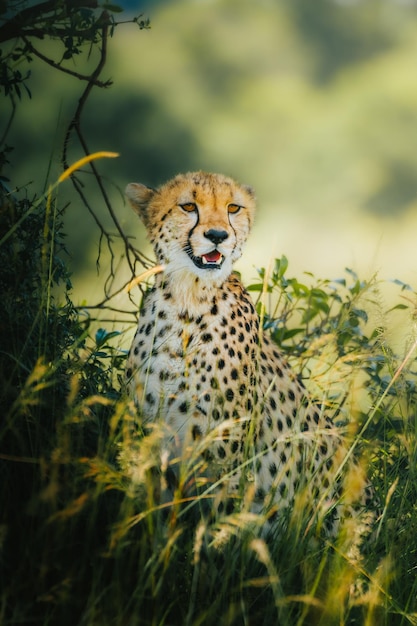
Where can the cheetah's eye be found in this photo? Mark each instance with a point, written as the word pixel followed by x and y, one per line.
pixel 234 208
pixel 189 207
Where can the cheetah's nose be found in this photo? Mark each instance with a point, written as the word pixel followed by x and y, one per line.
pixel 216 236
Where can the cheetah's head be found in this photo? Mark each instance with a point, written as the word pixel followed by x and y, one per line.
pixel 197 222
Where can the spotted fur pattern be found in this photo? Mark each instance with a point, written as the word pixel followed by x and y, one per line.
pixel 201 363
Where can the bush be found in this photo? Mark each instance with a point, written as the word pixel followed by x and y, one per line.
pixel 84 537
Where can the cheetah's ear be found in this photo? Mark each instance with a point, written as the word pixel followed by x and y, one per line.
pixel 139 197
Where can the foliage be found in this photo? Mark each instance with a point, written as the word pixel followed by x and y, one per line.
pixel 327 308
pixel 77 25
pixel 82 28
pixel 84 536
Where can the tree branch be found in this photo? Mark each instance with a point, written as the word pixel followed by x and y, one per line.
pixel 15 27
pixel 132 254
pixel 57 66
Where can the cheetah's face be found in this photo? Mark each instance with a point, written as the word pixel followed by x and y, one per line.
pixel 197 222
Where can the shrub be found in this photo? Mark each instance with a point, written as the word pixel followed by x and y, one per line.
pixel 84 537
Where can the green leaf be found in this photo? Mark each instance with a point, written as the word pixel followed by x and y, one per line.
pixel 281 266
pixel 288 334
pixel 404 286
pixel 298 288
pixel 114 8
pixel 308 315
pixel 100 336
pixel 398 307
pixel 360 313
pixel 255 287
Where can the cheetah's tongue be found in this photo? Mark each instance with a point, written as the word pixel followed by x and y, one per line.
pixel 212 257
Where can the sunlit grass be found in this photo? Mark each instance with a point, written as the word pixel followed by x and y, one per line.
pixel 125 556
pixel 90 534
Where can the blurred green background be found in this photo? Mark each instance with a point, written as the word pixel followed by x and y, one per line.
pixel 313 103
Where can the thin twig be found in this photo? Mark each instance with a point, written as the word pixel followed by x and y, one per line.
pixel 57 66
pixel 75 126
pixel 10 120
pixel 76 119
pixel 17 26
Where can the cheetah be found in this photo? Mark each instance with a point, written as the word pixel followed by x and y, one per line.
pixel 200 361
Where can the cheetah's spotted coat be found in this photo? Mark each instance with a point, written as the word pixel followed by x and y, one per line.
pixel 200 361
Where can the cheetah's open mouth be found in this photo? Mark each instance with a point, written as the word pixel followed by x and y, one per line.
pixel 211 260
